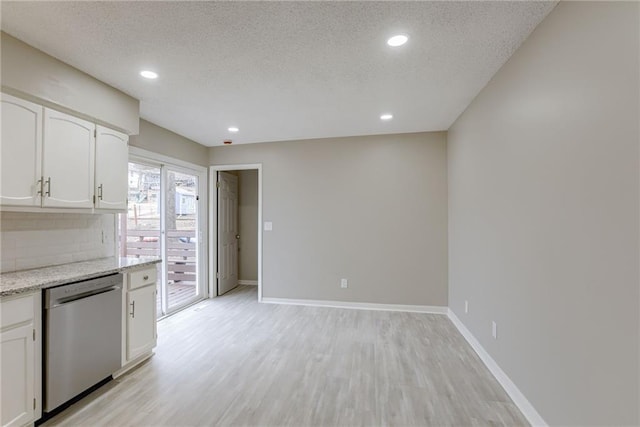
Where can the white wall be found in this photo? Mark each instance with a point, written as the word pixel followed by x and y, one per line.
pixel 32 240
pixel 248 224
pixel 370 209
pixel 544 211
pixel 32 74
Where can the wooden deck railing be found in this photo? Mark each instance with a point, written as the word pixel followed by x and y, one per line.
pixel 181 256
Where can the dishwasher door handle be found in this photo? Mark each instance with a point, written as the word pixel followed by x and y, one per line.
pixel 62 301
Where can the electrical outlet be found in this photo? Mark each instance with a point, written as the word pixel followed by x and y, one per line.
pixel 466 306
pixel 494 330
pixel 344 283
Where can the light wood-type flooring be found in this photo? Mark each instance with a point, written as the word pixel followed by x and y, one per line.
pixel 178 294
pixel 233 361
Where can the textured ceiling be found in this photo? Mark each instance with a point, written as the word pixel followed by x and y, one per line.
pixel 284 70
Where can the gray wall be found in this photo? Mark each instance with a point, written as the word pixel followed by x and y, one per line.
pixel 543 215
pixel 370 209
pixel 32 74
pixel 162 141
pixel 248 224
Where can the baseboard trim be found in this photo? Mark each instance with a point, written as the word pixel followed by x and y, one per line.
pixel 359 305
pixel 132 364
pixel 248 282
pixel 512 390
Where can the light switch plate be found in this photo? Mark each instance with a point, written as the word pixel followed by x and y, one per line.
pixel 268 226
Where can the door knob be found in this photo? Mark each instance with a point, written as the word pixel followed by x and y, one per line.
pixel 237 236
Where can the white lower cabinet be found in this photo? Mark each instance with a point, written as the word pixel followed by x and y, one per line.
pixel 21 370
pixel 139 323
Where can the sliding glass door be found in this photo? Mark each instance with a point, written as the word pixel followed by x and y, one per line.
pixel 181 220
pixel 163 220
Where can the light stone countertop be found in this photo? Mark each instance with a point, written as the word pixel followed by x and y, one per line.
pixel 26 281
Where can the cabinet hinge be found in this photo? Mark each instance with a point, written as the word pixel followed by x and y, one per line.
pixel 95 133
pixel 34 403
pixel 197 197
pixel 217 184
pixel 217 275
pixel 94 199
pixel 34 334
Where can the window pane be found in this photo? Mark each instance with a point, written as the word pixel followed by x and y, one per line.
pixel 181 225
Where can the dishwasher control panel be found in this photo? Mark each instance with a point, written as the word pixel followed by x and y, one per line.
pixel 61 294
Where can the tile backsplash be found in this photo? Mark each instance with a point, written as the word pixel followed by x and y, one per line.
pixel 32 240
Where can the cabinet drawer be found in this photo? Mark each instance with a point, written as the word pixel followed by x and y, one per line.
pixel 141 278
pixel 16 310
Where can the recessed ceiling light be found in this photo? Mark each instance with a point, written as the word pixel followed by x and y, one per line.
pixel 398 40
pixel 233 129
pixel 386 117
pixel 149 74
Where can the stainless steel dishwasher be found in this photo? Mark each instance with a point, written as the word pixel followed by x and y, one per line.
pixel 83 337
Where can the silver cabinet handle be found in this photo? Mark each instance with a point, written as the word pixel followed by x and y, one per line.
pixel 48 193
pixel 133 309
pixel 39 183
pixel 100 192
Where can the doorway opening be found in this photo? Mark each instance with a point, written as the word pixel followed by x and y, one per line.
pixel 235 232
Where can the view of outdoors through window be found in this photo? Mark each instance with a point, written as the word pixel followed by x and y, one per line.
pixel 140 230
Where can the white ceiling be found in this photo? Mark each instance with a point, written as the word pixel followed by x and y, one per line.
pixel 284 70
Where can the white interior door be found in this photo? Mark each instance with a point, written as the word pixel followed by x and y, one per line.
pixel 227 232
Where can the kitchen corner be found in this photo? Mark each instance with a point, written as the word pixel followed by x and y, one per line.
pixel 67 329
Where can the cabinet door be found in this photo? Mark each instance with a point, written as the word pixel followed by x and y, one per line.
pixel 21 161
pixel 141 321
pixel 16 376
pixel 112 159
pixel 68 158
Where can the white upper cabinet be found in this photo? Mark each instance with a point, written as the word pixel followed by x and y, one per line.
pixel 112 154
pixel 51 159
pixel 68 161
pixel 21 161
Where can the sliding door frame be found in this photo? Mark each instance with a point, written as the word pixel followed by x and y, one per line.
pixel 138 155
